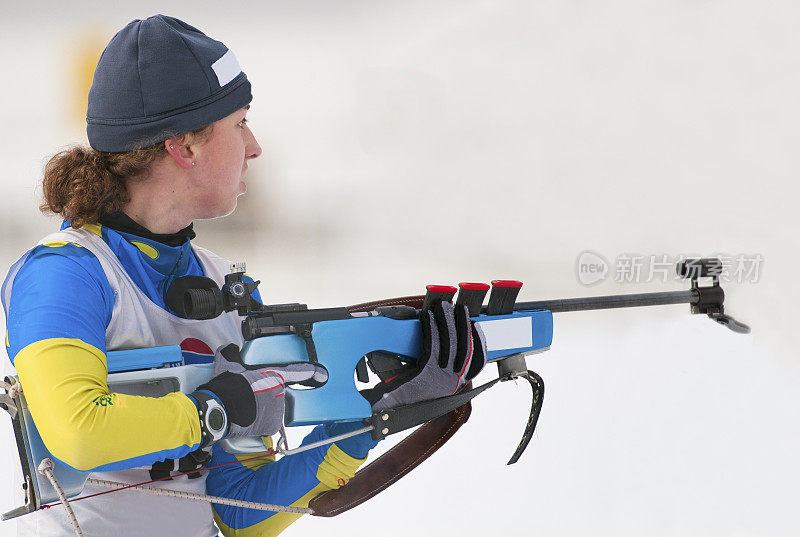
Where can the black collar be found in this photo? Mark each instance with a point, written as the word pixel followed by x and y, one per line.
pixel 120 221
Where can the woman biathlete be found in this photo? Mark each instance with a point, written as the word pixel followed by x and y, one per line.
pixel 169 138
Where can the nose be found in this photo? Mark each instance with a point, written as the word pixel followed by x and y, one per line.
pixel 252 149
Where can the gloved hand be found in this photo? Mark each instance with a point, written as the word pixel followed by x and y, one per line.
pixel 453 353
pixel 252 397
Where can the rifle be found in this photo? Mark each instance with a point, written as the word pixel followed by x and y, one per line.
pixel 348 343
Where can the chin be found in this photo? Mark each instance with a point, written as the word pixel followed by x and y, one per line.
pixel 221 212
pixel 231 210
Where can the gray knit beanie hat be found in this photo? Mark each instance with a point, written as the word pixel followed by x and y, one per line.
pixel 159 78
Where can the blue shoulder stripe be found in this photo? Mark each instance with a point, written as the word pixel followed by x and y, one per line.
pixel 60 292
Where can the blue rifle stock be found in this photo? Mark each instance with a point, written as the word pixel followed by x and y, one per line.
pixel 340 344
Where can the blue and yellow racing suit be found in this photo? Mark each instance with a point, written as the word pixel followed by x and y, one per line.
pixel 57 321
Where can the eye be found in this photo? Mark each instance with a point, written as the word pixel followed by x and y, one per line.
pixel 242 122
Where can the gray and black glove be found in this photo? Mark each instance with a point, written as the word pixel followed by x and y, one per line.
pixel 252 397
pixel 453 353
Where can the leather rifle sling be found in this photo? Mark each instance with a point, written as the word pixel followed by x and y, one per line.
pixel 403 457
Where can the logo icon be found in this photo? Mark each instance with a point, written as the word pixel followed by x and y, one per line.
pixel 196 351
pixel 591 267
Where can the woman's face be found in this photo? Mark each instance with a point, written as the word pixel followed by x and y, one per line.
pixel 220 163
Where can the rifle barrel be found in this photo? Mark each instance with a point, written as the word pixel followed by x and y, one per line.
pixel 611 301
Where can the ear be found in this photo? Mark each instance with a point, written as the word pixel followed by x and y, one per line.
pixel 180 153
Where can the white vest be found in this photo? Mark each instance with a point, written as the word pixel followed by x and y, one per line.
pixel 137 322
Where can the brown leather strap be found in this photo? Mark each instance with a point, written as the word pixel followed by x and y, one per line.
pixel 403 457
pixel 415 301
pixel 392 465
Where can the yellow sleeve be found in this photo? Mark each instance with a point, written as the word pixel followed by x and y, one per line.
pixel 83 425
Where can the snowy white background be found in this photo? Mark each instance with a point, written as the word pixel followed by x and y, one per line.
pixel 421 142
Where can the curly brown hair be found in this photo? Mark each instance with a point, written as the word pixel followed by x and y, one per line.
pixel 82 184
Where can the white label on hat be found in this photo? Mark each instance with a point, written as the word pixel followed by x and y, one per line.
pixel 226 68
pixel 512 333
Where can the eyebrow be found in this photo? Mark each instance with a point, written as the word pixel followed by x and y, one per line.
pixel 247 107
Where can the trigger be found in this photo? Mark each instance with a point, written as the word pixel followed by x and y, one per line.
pixel 361 370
